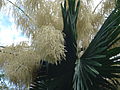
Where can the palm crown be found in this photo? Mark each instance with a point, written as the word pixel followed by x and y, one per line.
pixel 97 68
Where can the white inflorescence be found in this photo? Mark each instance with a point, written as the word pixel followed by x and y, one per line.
pixel 49 44
pixel 19 63
pixel 44 25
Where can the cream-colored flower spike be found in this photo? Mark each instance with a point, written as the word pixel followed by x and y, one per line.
pixel 49 44
pixel 45 12
pixel 19 63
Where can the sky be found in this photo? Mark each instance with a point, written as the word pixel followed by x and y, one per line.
pixel 9 34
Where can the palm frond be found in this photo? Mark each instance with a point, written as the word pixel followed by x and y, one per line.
pixel 99 66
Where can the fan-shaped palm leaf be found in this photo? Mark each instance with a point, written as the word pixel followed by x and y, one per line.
pixel 99 66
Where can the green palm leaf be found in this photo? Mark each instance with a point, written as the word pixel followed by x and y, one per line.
pixel 99 66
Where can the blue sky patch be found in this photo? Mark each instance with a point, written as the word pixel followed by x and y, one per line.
pixel 4 20
pixel 9 34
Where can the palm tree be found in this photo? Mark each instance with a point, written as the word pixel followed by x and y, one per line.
pixel 98 67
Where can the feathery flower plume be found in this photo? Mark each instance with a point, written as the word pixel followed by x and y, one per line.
pixel 49 44
pixel 19 63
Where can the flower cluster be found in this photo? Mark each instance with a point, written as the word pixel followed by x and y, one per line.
pixel 49 44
